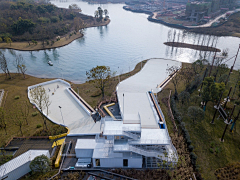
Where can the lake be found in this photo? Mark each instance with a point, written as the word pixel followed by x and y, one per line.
pixel 127 40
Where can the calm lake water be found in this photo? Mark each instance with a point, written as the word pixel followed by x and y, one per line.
pixel 127 40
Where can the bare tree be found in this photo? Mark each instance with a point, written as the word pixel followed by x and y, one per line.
pixel 16 119
pixel 41 99
pixel 18 61
pixel 20 65
pixel 4 65
pixel 187 74
pixel 175 78
pixel 25 110
pixel 2 120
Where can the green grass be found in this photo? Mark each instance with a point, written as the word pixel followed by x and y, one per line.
pixel 212 153
pixel 93 96
pixel 17 86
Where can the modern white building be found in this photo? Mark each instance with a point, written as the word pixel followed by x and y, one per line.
pixel 19 166
pixel 140 137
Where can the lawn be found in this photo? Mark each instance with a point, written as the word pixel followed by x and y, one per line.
pixel 212 153
pixel 93 96
pixel 14 88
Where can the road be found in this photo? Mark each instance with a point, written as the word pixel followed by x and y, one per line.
pixel 214 20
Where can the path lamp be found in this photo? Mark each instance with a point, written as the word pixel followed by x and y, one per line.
pixel 61 113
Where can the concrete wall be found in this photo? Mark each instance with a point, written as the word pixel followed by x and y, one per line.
pixel 84 153
pixel 135 163
pixel 118 163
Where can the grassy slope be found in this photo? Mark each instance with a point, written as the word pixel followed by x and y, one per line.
pixel 205 136
pixel 18 87
pixel 88 90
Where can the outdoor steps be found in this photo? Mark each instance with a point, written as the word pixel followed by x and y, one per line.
pixel 146 153
pixel 131 135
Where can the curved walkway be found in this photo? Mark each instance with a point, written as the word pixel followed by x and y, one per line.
pixel 71 114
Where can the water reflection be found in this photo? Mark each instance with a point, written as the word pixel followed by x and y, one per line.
pixel 127 40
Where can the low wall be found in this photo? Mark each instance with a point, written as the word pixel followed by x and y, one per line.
pixel 78 101
pixel 48 82
pixel 60 135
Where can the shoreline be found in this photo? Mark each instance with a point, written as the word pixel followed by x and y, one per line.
pixel 64 40
pixel 152 18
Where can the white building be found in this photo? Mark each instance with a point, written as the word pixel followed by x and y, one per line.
pixel 140 138
pixel 19 166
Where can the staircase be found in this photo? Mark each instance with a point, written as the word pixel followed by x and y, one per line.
pixel 131 135
pixel 146 153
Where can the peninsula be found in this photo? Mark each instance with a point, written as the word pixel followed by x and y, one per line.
pixel 31 26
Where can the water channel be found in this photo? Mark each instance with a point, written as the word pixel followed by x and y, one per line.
pixel 127 40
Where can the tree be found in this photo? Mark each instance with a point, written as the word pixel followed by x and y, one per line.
pixel 2 120
pixel 22 26
pixel 41 99
pixel 1 40
pixel 184 97
pixel 74 6
pixel 25 110
pixel 20 64
pixel 96 14
pixel 40 164
pixel 222 68
pixel 175 78
pixel 8 40
pixel 4 65
pixel 105 12
pixel 100 12
pixel 18 61
pixel 211 90
pixel 16 118
pixel 195 113
pixel 186 74
pixel 78 24
pixel 100 75
pixel 207 90
pixel 197 66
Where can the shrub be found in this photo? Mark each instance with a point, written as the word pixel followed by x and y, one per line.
pixel 16 97
pixel 39 125
pixel 54 19
pixel 40 164
pixel 34 113
pixel 190 148
pixel 211 150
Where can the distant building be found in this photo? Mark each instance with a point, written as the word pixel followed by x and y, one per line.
pixel 197 10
